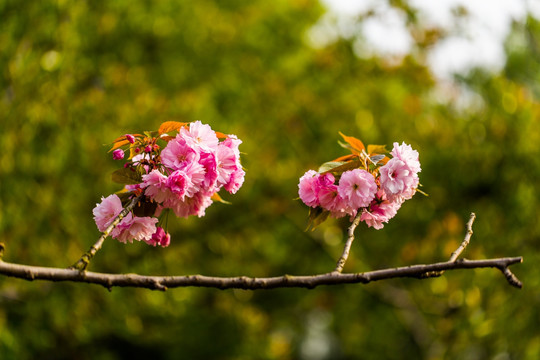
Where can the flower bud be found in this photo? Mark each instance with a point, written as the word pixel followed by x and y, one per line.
pixel 118 154
pixel 160 237
pixel 130 138
pixel 166 240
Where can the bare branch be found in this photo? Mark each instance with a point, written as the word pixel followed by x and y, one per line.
pixel 83 262
pixel 248 283
pixel 466 240
pixel 461 247
pixel 346 250
pixel 421 271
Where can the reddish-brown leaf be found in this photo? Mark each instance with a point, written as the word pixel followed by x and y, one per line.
pixel 216 197
pixel 167 138
pixel 357 145
pixel 118 144
pixel 345 158
pixel 123 137
pixel 221 135
pixel 170 126
pixel 120 138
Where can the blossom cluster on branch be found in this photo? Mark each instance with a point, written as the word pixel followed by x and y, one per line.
pixel 181 167
pixel 371 183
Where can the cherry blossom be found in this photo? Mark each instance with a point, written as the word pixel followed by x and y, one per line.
pixel 183 175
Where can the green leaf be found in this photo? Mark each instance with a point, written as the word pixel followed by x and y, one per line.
pixel 126 176
pixel 124 196
pixel 316 217
pixel 376 149
pixel 340 167
pixel 328 166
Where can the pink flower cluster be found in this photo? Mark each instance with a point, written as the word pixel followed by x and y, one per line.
pixel 196 165
pixel 184 177
pixel 378 195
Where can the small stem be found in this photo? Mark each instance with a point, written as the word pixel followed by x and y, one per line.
pixel 459 250
pixel 83 262
pixel 346 250
pixel 465 241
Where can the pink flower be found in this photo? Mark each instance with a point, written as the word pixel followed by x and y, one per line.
pixel 380 211
pixel 130 138
pixel 197 175
pixel 233 143
pixel 357 187
pixel 186 182
pixel 200 136
pixel 118 154
pixel 178 153
pixel 106 211
pixel 397 179
pixel 209 163
pixel 136 160
pixel 236 181
pixel 156 185
pixel 160 237
pixel 330 199
pixel 226 163
pixel 308 188
pixel 137 228
pixel 406 154
pixel 311 185
pixel 195 205
pixel 178 182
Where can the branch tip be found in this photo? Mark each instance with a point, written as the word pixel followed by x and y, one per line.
pixel 466 239
pixel 511 278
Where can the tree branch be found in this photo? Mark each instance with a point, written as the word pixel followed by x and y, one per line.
pixel 77 272
pixel 248 283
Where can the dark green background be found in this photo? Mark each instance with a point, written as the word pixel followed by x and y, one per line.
pixel 76 74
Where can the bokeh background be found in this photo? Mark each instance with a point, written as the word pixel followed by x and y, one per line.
pixel 285 77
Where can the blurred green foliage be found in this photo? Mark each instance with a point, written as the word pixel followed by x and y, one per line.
pixel 76 74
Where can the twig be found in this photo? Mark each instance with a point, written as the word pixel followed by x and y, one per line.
pixel 242 282
pixel 83 262
pixel 461 247
pixel 466 240
pixel 347 249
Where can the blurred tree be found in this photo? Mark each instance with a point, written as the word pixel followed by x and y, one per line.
pixel 77 74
